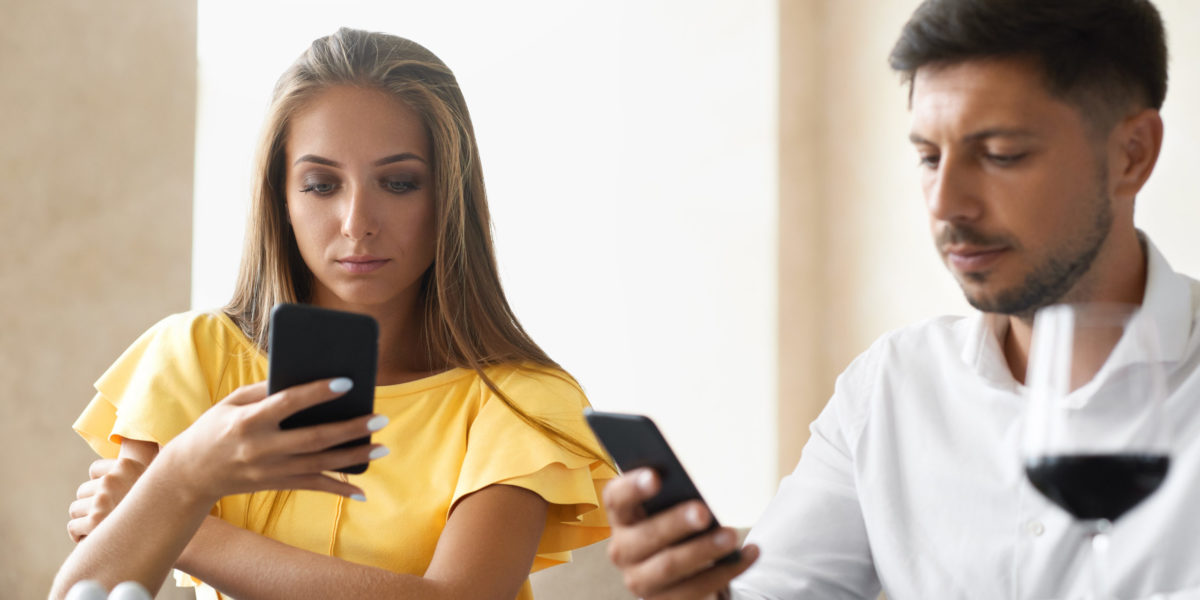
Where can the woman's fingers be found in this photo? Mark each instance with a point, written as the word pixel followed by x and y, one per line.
pixel 247 394
pixel 285 403
pixel 100 468
pixel 331 460
pixel 321 483
pixel 304 440
pixel 86 489
pixel 80 528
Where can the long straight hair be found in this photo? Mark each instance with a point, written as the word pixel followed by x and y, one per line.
pixel 467 321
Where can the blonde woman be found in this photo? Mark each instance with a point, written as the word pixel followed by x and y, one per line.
pixel 370 199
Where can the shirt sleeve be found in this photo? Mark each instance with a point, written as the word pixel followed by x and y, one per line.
pixel 812 535
pixel 504 449
pixel 154 391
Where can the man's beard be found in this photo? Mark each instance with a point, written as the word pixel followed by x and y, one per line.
pixel 1047 282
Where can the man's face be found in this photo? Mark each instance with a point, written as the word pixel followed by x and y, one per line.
pixel 1014 184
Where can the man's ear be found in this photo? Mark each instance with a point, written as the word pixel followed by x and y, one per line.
pixel 1133 151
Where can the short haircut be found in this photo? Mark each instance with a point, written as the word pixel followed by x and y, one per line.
pixel 1103 56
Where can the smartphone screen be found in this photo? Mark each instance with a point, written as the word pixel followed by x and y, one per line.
pixel 634 441
pixel 307 343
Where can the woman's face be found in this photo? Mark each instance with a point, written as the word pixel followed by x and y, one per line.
pixel 360 200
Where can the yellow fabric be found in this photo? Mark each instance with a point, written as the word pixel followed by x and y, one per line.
pixel 449 436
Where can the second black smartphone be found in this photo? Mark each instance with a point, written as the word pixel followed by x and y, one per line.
pixel 634 441
pixel 307 343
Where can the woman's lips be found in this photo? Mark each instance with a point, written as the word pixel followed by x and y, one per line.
pixel 361 264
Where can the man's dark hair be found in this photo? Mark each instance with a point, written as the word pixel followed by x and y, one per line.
pixel 1100 55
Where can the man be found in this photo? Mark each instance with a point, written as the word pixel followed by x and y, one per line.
pixel 1036 123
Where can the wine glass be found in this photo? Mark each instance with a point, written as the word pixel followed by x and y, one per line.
pixel 1095 438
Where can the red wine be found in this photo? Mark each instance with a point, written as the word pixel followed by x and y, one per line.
pixel 1097 486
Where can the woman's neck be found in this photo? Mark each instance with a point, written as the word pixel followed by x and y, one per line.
pixel 403 349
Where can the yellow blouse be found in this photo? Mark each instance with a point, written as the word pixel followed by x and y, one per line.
pixel 448 434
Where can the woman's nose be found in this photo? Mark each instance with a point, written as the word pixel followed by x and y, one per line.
pixel 358 219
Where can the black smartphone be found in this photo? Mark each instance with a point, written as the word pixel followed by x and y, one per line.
pixel 306 343
pixel 633 442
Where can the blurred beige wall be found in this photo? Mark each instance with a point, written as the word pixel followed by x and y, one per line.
pixel 856 258
pixel 97 120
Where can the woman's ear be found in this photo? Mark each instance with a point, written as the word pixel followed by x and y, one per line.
pixel 1133 151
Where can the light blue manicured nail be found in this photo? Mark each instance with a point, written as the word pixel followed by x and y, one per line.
pixel 645 480
pixel 378 452
pixel 341 385
pixel 377 422
pixel 359 497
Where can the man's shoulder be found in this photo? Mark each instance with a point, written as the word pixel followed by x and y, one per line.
pixel 928 344
pixel 933 334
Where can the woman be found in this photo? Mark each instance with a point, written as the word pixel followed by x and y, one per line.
pixel 371 200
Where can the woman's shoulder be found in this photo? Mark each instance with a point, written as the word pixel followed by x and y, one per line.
pixel 532 385
pixel 206 333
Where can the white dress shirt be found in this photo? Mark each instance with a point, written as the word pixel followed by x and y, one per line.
pixel 913 481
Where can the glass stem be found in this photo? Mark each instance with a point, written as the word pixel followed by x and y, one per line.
pixel 1098 533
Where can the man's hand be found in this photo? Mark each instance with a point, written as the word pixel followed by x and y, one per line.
pixel 109 480
pixel 646 549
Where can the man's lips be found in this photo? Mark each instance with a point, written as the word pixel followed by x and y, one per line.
pixel 361 263
pixel 969 258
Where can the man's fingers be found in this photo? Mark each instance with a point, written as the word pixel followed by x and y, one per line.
pixel 708 583
pixel 624 495
pixel 670 566
pixel 102 467
pixel 633 544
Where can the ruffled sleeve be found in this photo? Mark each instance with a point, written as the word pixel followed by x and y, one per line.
pixel 154 391
pixel 502 448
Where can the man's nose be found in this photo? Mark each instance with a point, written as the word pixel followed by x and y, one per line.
pixel 954 195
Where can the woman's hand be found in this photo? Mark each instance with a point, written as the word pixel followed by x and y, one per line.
pixel 237 445
pixel 109 480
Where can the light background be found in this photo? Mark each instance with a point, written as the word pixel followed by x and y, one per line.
pixel 683 192
pixel 629 154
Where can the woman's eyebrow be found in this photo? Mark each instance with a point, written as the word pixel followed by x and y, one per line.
pixel 387 160
pixel 398 158
pixel 320 160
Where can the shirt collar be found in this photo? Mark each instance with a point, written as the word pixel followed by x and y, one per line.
pixel 1167 302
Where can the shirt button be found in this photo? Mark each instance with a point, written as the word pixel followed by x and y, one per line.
pixel 1035 528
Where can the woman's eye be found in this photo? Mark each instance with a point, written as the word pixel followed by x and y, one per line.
pixel 320 187
pixel 928 160
pixel 399 185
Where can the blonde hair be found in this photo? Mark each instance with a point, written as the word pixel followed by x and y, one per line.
pixel 467 320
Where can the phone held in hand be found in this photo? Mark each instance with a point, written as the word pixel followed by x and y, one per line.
pixel 634 441
pixel 307 343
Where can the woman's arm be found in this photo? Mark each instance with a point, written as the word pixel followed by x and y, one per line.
pixel 109 480
pixel 234 447
pixel 139 540
pixel 485 551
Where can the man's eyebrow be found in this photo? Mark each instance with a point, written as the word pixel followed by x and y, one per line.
pixel 1002 132
pixel 995 132
pixel 403 156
